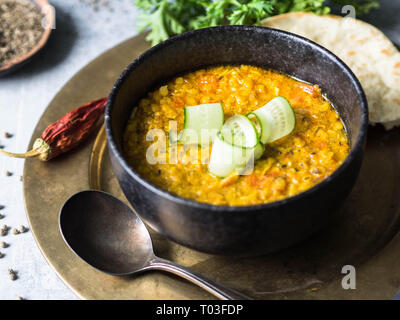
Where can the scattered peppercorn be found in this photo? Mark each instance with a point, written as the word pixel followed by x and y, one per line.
pixel 1 255
pixel 13 274
pixel 22 229
pixel 1 216
pixel 1 207
pixel 20 298
pixel 8 174
pixel 15 231
pixel 7 135
pixel 3 244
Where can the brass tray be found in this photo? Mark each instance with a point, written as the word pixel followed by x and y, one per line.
pixel 364 234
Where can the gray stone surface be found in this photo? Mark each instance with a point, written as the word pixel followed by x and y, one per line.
pixel 82 33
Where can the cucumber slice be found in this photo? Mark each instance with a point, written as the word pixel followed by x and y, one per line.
pixel 240 131
pixel 259 151
pixel 263 127
pixel 277 117
pixel 226 157
pixel 201 124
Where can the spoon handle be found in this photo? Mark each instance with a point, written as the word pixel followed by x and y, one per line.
pixel 211 286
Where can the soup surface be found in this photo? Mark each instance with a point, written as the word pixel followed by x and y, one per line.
pixel 295 163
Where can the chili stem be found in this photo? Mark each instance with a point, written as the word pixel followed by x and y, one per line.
pixel 29 154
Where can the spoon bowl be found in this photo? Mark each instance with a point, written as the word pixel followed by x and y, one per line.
pixel 105 233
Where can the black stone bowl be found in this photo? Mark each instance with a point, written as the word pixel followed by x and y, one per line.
pixel 238 230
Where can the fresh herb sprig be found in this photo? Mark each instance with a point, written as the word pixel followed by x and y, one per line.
pixel 166 18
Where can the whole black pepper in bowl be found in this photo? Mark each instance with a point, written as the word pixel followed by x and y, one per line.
pixel 21 29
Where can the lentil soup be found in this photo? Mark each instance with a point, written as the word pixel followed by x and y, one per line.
pixel 290 165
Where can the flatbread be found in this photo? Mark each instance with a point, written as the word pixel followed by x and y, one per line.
pixel 366 50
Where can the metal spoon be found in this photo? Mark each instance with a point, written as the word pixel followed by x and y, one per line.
pixel 108 235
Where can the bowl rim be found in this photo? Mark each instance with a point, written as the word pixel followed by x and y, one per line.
pixel 227 208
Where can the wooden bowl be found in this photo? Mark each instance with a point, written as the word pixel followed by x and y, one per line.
pixel 21 60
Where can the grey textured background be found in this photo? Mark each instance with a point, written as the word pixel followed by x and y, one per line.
pixel 82 33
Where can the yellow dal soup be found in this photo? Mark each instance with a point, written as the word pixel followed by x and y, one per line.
pixel 290 165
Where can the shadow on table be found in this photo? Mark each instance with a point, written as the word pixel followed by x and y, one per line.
pixel 55 51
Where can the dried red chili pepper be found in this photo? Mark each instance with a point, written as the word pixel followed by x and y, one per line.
pixel 66 133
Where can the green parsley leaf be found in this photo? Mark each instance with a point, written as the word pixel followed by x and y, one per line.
pixel 166 18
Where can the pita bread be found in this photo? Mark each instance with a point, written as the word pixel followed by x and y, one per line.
pixel 367 51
